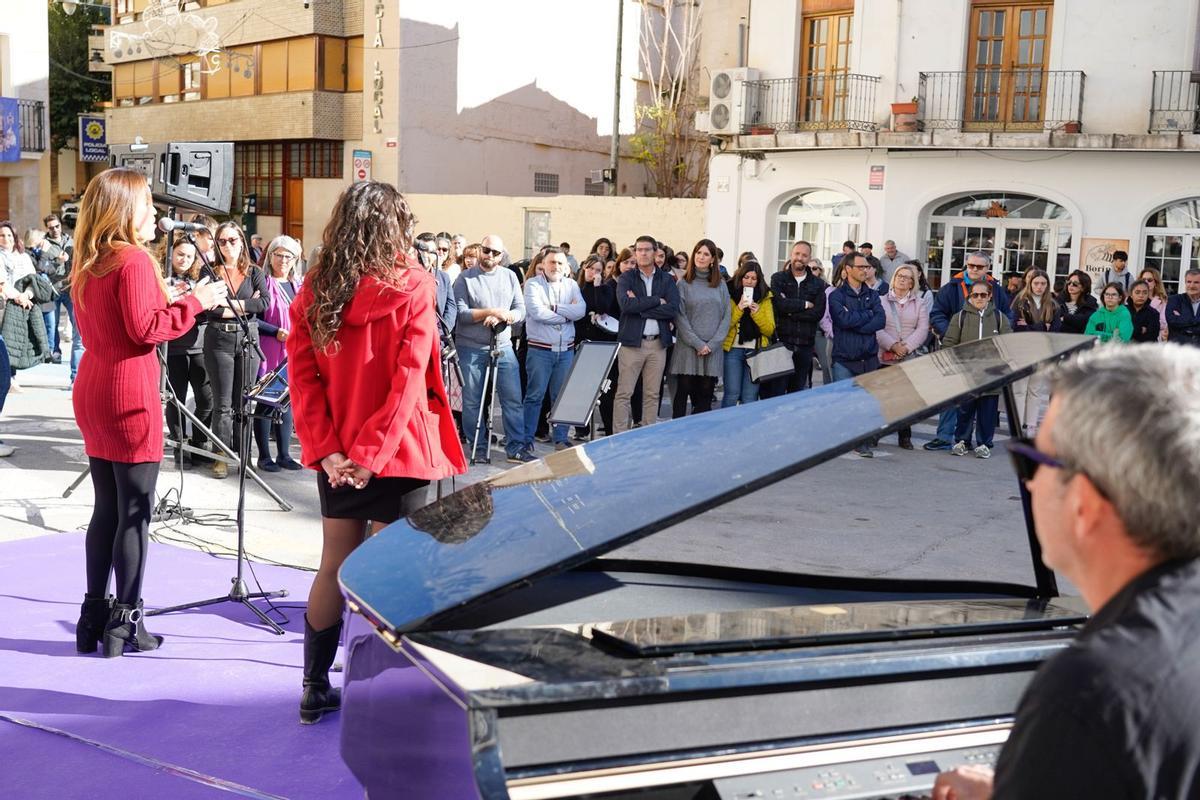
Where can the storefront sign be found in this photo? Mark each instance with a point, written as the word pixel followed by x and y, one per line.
pixel 1096 257
pixel 362 165
pixel 93 138
pixel 10 129
pixel 876 179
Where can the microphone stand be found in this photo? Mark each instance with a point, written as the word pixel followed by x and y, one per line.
pixel 238 592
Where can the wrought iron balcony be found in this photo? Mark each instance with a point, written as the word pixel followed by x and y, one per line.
pixel 33 125
pixel 988 99
pixel 1175 102
pixel 841 101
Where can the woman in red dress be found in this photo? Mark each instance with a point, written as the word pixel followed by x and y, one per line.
pixel 368 399
pixel 123 308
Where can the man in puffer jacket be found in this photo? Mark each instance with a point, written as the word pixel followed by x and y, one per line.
pixel 856 313
pixel 949 301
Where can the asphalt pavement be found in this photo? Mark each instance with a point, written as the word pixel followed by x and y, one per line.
pixel 910 514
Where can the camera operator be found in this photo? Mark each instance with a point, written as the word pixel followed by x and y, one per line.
pixel 489 301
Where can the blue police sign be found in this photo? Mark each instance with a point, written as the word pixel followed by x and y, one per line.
pixel 93 138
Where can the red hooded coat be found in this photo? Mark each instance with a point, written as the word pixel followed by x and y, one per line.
pixel 379 399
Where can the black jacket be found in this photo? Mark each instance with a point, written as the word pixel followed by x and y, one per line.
pixel 600 299
pixel 639 308
pixel 796 322
pixel 1077 322
pixel 1146 323
pixel 1183 325
pixel 252 291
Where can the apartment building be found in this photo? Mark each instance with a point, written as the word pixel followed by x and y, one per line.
pixel 24 115
pixel 1046 133
pixel 317 94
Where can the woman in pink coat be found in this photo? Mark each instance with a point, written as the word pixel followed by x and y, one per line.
pixel 906 326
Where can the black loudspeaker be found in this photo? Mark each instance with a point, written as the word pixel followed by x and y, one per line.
pixel 194 175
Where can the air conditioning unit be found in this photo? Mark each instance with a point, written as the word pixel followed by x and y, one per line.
pixel 730 105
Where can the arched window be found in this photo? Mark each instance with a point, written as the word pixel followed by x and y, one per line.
pixel 1172 240
pixel 1018 231
pixel 821 216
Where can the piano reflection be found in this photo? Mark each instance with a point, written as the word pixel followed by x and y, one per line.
pixel 493 651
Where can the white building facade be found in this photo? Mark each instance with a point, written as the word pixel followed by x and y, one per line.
pixel 1047 133
pixel 24 79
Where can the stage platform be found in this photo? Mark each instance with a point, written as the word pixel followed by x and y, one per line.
pixel 213 713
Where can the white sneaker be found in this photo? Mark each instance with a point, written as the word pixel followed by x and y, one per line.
pixel 983 451
pixel 6 450
pixel 959 449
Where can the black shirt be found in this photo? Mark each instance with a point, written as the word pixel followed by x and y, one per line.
pixel 1117 715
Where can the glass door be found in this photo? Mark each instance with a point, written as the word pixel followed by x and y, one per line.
pixel 825 63
pixel 1014 248
pixel 1006 69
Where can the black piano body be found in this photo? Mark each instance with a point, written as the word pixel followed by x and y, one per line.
pixel 493 652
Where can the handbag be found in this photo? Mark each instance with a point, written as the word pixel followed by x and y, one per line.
pixel 770 362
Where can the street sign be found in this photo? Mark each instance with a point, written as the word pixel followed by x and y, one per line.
pixel 93 138
pixel 362 165
pixel 876 179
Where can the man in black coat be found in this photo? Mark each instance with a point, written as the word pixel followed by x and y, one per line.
pixel 1183 311
pixel 798 299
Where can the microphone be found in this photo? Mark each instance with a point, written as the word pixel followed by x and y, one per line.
pixel 167 225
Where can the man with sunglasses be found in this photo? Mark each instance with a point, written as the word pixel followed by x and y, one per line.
pixel 1114 506
pixel 949 300
pixel 489 302
pixel 55 263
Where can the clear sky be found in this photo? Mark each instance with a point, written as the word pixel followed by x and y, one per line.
pixel 507 44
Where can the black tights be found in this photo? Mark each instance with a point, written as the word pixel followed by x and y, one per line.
pixel 118 535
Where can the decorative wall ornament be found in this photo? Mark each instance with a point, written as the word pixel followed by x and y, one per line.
pixel 168 29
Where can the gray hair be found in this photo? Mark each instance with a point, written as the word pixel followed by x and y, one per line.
pixel 987 258
pixel 283 243
pixel 1130 420
pixel 1192 271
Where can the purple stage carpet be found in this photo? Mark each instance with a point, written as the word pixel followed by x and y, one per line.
pixel 213 713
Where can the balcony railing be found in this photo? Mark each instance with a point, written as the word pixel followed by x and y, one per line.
pixel 1175 102
pixel 33 125
pixel 812 103
pixel 1001 100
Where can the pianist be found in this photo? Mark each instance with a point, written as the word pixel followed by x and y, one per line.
pixel 1113 475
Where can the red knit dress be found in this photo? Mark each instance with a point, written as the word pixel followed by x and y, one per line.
pixel 122 315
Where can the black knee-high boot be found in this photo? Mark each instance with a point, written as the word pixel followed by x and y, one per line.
pixel 319 697
pixel 93 616
pixel 126 631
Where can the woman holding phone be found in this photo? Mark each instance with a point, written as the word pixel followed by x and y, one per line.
pixel 124 308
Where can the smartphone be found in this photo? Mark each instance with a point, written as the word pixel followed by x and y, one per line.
pixel 747 294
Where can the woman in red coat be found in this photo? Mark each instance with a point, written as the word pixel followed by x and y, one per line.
pixel 123 308
pixel 368 400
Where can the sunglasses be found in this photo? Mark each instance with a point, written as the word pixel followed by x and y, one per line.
pixel 1026 458
pixel 487 251
pixel 234 240
pixel 443 249
pixel 1074 283
pixel 980 296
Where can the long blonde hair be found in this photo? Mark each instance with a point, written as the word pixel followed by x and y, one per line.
pixel 106 225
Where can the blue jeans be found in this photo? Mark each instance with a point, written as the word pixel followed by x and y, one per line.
pixel 48 318
pixel 738 386
pixel 948 424
pixel 474 364
pixel 64 299
pixel 844 371
pixel 544 368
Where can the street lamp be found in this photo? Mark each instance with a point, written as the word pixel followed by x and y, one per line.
pixel 69 6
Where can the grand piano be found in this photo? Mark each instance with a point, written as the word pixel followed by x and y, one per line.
pixel 493 650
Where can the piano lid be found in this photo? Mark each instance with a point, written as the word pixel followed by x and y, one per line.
pixel 575 505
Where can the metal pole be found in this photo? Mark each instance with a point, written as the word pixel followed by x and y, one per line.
pixel 615 151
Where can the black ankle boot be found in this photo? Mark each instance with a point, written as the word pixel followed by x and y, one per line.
pixel 125 631
pixel 93 616
pixel 319 697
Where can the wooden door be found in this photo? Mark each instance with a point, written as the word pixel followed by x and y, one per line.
pixel 293 208
pixel 824 65
pixel 1006 65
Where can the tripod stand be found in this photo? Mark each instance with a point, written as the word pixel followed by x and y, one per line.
pixel 489 382
pixel 238 592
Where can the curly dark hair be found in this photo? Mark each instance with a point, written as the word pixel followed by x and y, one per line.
pixel 370 228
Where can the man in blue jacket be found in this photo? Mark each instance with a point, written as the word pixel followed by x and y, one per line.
pixel 949 300
pixel 1183 311
pixel 649 301
pixel 856 313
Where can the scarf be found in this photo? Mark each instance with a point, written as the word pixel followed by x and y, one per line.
pixel 277 314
